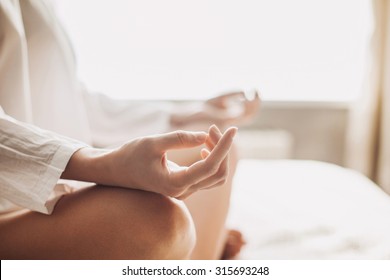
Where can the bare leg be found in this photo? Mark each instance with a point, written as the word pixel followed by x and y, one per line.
pixel 209 209
pixel 101 223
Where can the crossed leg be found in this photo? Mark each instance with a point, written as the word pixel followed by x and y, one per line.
pixel 209 208
pixel 117 223
pixel 101 223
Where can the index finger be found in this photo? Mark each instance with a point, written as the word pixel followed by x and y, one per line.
pixel 223 146
pixel 209 166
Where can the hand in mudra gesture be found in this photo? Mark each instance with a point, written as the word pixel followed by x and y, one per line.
pixel 143 164
pixel 234 108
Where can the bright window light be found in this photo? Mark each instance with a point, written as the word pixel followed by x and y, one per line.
pixel 291 50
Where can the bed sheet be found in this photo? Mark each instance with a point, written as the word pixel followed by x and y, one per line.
pixel 291 209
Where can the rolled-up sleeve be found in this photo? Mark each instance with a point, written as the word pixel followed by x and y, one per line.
pixel 31 162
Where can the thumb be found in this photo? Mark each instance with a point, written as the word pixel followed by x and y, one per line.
pixel 180 140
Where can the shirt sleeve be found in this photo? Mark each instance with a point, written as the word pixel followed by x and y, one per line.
pixel 31 162
pixel 113 122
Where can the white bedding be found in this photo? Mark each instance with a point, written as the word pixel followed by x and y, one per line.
pixel 309 210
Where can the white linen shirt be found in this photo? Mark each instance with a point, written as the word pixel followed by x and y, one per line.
pixel 32 160
pixel 39 88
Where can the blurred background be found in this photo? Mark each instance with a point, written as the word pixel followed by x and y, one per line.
pixel 322 68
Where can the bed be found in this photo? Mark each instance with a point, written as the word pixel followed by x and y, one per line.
pixel 292 209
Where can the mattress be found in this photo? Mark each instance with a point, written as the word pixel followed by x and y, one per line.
pixel 291 209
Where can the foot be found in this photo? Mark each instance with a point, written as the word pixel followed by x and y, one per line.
pixel 233 244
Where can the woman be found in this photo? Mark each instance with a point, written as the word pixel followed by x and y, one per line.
pixel 131 210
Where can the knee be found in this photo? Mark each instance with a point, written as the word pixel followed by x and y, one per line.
pixel 171 232
pixel 144 225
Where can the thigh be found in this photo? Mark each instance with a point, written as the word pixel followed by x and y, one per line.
pixel 93 223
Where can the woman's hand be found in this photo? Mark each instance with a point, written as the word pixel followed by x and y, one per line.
pixel 143 164
pixel 228 109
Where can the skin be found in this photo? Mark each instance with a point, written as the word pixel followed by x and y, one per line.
pixel 135 210
pixel 142 164
pixel 101 223
pixel 105 222
pixel 209 208
pixel 218 110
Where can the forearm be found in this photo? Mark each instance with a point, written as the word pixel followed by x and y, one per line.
pixel 90 165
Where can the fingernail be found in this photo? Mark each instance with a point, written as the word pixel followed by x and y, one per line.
pixel 233 132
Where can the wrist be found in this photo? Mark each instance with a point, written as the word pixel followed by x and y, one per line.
pixel 186 113
pixel 88 164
